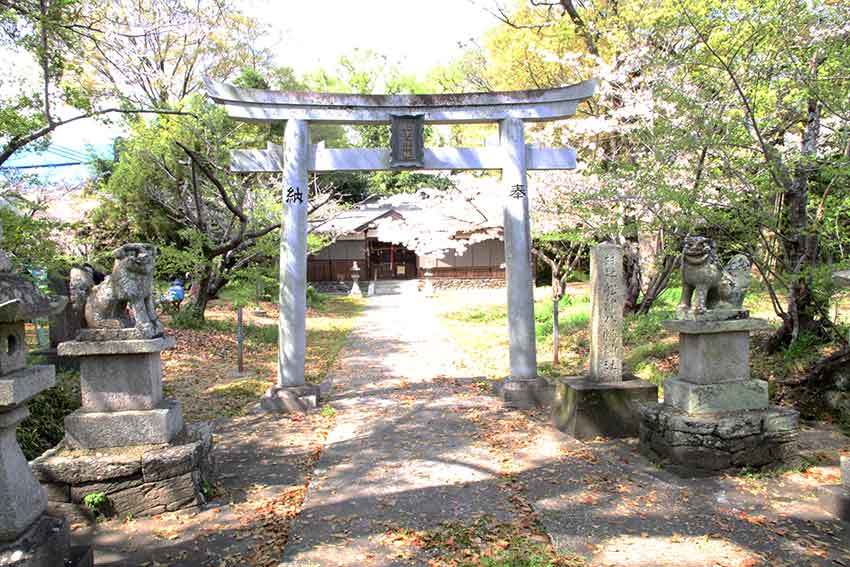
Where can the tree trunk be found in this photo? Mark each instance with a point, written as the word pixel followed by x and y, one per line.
pixel 632 273
pixel 556 342
pixel 800 245
pixel 200 292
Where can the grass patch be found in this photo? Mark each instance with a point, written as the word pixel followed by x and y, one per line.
pixel 231 398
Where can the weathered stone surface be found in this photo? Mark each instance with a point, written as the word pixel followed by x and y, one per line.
pixel 710 398
pixel 160 464
pixel 94 348
pixel 46 543
pixel 585 409
pixel 708 286
pixel 13 353
pixel 109 335
pixel 57 491
pixel 127 476
pixel 79 492
pixel 21 498
pixel 124 428
pixel 740 424
pixel 21 385
pixel 156 497
pixel 607 296
pixel 130 285
pixel 714 357
pixel 782 420
pixel 845 472
pixel 519 393
pixel 297 399
pixel 706 327
pixel 121 382
pixel 739 439
pixel 60 465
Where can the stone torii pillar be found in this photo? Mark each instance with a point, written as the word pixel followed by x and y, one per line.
pixel 407 114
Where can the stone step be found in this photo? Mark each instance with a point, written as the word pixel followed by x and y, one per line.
pixel 394 287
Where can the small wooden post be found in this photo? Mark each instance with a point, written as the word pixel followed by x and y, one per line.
pixel 240 340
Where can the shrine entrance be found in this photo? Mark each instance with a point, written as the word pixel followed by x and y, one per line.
pixel 388 261
pixel 407 116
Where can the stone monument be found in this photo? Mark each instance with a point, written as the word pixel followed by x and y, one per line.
pixel 714 416
pixel 28 535
pixel 605 402
pixel 123 410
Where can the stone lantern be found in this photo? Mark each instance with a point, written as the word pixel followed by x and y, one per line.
pixel 428 289
pixel 28 536
pixel 355 277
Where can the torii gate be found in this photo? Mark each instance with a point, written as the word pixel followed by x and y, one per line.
pixel 407 115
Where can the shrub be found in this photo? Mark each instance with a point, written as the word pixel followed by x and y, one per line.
pixel 187 319
pixel 314 298
pixel 45 426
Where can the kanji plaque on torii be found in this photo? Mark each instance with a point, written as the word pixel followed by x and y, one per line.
pixel 407 114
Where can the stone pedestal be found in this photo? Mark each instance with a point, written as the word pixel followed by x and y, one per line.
pixel 141 480
pixel 606 402
pixel 714 416
pixel 126 441
pixel 121 388
pixel 521 393
pixel 586 409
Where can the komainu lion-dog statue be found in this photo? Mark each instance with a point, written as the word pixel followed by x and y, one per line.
pixel 713 288
pixel 104 306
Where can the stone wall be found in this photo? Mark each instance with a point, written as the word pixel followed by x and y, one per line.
pixel 471 283
pixel 707 443
pixel 137 481
pixel 332 287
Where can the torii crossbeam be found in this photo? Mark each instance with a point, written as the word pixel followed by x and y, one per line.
pixel 297 157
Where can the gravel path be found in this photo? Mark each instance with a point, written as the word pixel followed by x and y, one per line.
pixel 402 454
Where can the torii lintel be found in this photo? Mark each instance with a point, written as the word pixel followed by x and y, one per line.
pixel 536 105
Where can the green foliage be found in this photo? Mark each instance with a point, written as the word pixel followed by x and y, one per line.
pixel 573 314
pixel 188 319
pixel 29 239
pixel 315 299
pixel 97 502
pixel 45 426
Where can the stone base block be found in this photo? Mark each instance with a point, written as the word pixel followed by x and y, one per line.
pixel 93 430
pixel 121 382
pixel 835 499
pixel 521 393
pixel 291 399
pixel 712 398
pixel 137 481
pixel 46 543
pixel 586 409
pixel 706 444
